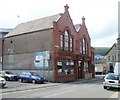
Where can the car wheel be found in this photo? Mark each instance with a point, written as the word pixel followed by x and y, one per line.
pixel 105 87
pixel 20 80
pixel 7 78
pixel 33 81
pixel 108 88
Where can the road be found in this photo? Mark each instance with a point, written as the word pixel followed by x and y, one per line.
pixel 66 90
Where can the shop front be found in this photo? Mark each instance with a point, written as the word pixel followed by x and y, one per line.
pixel 69 67
pixel 65 67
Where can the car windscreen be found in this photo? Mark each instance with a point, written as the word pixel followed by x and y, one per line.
pixel 112 77
pixel 34 74
pixel 7 72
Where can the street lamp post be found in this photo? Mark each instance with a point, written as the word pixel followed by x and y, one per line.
pixel 117 65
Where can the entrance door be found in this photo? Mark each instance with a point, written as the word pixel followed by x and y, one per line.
pixel 111 70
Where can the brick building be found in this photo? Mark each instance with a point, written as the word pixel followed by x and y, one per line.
pixel 51 46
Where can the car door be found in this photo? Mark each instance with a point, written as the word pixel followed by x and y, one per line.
pixel 22 76
pixel 28 77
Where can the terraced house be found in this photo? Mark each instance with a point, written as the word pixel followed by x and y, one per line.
pixel 51 46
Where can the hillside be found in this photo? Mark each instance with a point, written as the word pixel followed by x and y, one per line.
pixel 101 50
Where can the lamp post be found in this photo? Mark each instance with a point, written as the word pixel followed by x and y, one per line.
pixel 117 65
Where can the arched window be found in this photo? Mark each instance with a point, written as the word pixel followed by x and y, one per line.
pixel 71 44
pixel 84 45
pixel 81 47
pixel 86 48
pixel 66 40
pixel 61 41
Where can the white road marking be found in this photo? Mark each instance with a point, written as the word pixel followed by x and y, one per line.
pixel 15 91
pixel 57 94
pixel 115 95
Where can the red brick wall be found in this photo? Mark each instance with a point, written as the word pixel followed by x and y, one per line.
pixel 64 23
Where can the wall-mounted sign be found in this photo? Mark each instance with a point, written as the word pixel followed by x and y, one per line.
pixel 46 54
pixel 41 59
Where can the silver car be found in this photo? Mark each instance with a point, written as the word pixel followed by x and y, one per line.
pixel 2 82
pixel 111 80
pixel 9 75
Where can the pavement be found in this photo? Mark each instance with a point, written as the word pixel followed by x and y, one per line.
pixel 27 86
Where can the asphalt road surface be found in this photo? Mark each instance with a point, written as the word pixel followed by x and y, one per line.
pixel 66 90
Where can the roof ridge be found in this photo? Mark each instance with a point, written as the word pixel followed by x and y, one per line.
pixel 34 25
pixel 41 18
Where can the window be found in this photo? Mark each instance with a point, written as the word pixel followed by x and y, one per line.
pixel 71 44
pixel 112 58
pixel 86 68
pixel 115 57
pixel 59 67
pixel 66 41
pixel 84 46
pixel 11 42
pixel 65 67
pixel 118 57
pixel 61 41
pixel 109 58
pixel 81 47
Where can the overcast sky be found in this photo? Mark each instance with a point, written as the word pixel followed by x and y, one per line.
pixel 101 15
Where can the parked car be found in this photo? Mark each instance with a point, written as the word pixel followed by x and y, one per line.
pixel 9 75
pixel 2 74
pixel 2 82
pixel 111 80
pixel 31 77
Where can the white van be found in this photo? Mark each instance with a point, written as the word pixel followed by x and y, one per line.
pixel 117 68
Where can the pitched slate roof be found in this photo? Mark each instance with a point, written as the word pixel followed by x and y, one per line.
pixel 101 50
pixel 35 25
pixel 114 45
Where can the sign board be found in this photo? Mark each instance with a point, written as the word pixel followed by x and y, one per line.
pixel 46 55
pixel 41 59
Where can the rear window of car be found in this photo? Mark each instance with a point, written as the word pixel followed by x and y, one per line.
pixel 112 77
